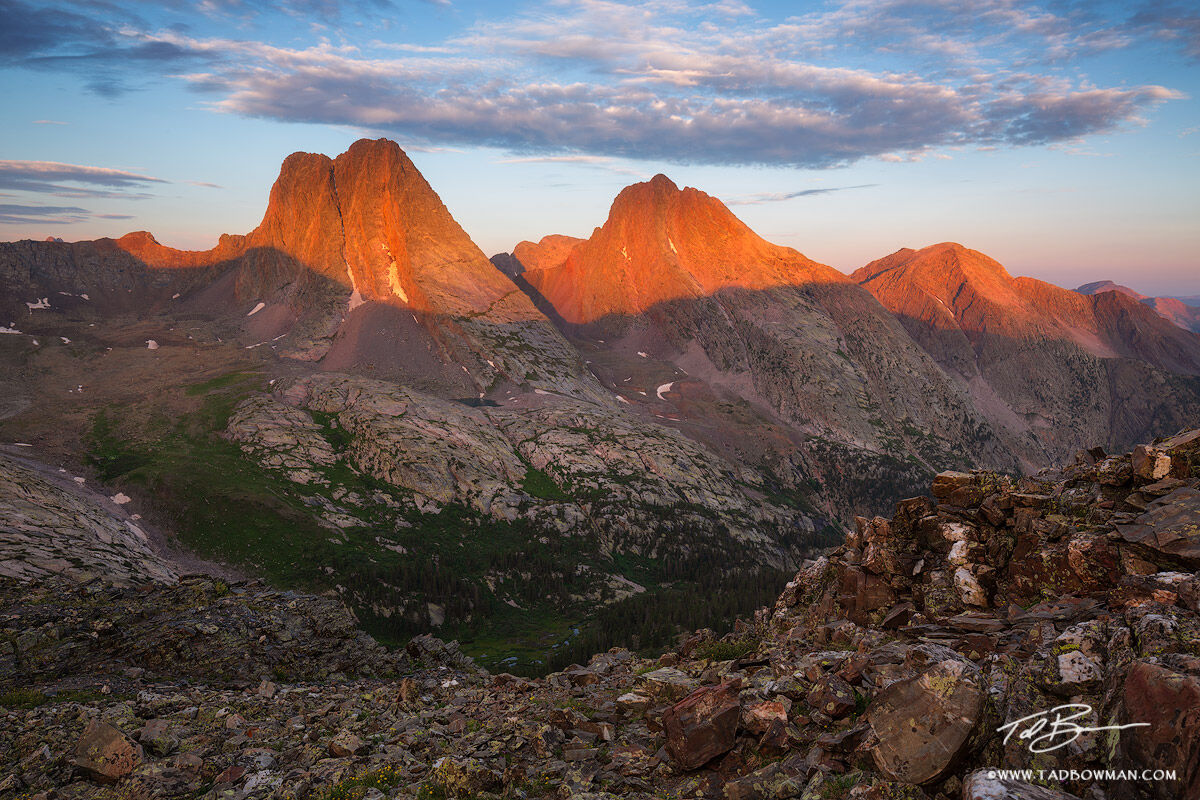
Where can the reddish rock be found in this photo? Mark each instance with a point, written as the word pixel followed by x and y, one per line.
pixel 345 744
pixel 923 723
pixel 1170 703
pixel 862 593
pixel 831 696
pixel 703 725
pixel 104 754
pixel 1150 463
pixel 757 718
pixel 1170 527
pixel 664 243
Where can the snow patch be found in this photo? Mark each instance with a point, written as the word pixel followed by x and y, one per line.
pixel 85 297
pixel 175 296
pixel 666 387
pixel 540 391
pixel 12 329
pixel 120 498
pixel 65 340
pixel 622 399
pixel 151 344
pixel 256 309
pixel 672 244
pixel 356 298
pixel 643 355
pixel 394 275
pixel 42 303
pixel 80 481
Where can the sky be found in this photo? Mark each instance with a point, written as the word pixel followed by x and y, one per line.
pixel 1061 138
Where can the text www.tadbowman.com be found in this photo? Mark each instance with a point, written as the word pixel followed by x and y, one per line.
pixel 1083 774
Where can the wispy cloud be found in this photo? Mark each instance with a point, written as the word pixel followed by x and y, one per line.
pixel 12 214
pixel 48 122
pixel 776 197
pixel 74 180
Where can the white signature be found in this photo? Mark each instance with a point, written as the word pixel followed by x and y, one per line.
pixel 1044 727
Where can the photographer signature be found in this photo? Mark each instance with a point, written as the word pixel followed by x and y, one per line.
pixel 1043 728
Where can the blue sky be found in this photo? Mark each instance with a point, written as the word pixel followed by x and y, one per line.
pixel 1062 138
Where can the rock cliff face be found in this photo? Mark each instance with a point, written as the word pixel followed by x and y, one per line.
pixel 638 490
pixel 1052 368
pixel 393 405
pixel 348 247
pixel 915 660
pixel 50 525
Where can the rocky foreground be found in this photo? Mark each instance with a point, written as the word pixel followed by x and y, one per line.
pixel 904 664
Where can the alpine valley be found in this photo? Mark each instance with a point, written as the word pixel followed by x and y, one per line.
pixel 580 444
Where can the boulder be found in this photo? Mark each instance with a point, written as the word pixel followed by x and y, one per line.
pixel 778 781
pixel 1169 702
pixel 1150 463
pixel 757 718
pixel 703 725
pixel 104 754
pixel 923 723
pixel 831 696
pixel 155 736
pixel 345 744
pixel 667 684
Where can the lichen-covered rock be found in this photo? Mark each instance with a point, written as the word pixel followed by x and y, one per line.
pixel 104 754
pixel 923 723
pixel 1167 703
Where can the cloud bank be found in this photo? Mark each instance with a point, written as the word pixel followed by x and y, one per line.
pixel 668 80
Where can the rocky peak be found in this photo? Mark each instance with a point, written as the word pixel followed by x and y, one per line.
pixel 663 243
pixel 369 220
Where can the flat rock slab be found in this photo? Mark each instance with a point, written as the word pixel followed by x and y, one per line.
pixel 1170 525
pixel 922 723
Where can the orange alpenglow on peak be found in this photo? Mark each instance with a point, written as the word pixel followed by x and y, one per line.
pixel 368 220
pixel 948 287
pixel 663 243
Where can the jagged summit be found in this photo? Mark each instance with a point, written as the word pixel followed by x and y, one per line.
pixel 664 243
pixel 367 219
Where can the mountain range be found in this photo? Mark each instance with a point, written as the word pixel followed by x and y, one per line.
pixel 353 397
pixel 1183 311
